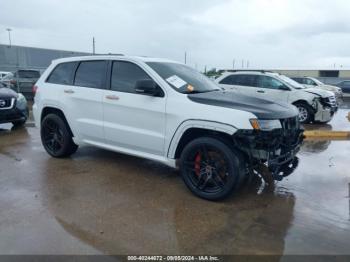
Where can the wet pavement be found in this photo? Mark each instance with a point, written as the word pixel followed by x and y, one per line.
pixel 100 202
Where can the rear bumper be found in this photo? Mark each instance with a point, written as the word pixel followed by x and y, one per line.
pixel 13 115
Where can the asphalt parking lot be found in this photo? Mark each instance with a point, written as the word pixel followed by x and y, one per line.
pixel 100 202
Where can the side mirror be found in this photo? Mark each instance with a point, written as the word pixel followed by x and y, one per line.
pixel 285 88
pixel 147 87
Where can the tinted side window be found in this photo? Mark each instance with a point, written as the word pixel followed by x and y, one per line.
pixel 62 74
pixel 91 74
pixel 246 80
pixel 269 82
pixel 125 75
pixel 298 79
pixel 229 80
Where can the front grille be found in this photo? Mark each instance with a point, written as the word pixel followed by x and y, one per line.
pixel 290 123
pixel 330 101
pixel 6 103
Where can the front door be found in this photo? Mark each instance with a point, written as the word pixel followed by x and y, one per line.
pixel 133 121
pixel 272 89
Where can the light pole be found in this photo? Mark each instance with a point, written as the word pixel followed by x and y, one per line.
pixel 9 31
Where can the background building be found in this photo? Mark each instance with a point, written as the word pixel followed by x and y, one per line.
pixel 21 57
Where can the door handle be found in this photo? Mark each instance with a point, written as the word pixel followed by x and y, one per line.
pixel 261 91
pixel 69 91
pixel 112 97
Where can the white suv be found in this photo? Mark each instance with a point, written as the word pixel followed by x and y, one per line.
pixel 167 112
pixel 315 105
pixel 313 82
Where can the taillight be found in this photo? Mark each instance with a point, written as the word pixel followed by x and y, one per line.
pixel 13 82
pixel 35 88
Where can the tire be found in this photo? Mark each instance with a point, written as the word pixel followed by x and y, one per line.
pixel 306 113
pixel 211 169
pixel 19 124
pixel 56 137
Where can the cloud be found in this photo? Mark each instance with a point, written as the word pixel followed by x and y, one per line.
pixel 268 33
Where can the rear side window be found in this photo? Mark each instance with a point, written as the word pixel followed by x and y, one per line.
pixel 28 74
pixel 91 74
pixel 227 80
pixel 125 75
pixel 298 79
pixel 241 80
pixel 62 74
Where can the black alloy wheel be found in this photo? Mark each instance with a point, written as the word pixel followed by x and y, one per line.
pixel 56 137
pixel 210 168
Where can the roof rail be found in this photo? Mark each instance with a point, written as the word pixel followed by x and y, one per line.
pixel 107 54
pixel 248 70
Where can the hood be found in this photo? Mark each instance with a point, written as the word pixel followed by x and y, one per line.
pixel 7 93
pixel 318 91
pixel 263 109
pixel 332 88
pixel 325 87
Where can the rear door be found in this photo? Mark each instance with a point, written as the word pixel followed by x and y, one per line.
pixel 133 121
pixel 80 87
pixel 243 83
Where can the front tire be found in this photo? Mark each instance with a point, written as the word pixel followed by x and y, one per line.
pixel 56 137
pixel 305 113
pixel 210 168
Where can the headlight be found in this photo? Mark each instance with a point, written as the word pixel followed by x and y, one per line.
pixel 265 125
pixel 21 101
pixel 315 101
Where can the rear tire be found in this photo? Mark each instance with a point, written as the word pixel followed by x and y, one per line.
pixel 56 137
pixel 306 113
pixel 211 169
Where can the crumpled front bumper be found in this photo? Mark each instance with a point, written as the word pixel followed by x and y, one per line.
pixel 276 149
pixel 324 114
pixel 324 111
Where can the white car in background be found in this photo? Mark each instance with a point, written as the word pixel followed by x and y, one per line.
pixel 313 82
pixel 3 74
pixel 314 105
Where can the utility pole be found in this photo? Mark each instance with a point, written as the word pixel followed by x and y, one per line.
pixel 93 45
pixel 242 63
pixel 9 31
pixel 185 57
pixel 247 63
pixel 233 64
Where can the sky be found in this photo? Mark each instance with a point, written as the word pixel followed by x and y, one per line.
pixel 215 34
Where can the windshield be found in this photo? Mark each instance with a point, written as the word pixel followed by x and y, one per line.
pixel 291 82
pixel 183 79
pixel 28 74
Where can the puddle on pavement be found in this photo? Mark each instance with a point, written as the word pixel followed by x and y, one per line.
pixel 118 204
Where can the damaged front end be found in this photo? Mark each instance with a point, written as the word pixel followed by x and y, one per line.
pixel 274 150
pixel 324 108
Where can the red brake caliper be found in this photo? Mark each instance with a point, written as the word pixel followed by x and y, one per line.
pixel 197 164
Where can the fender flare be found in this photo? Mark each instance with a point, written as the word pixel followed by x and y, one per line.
pixel 201 124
